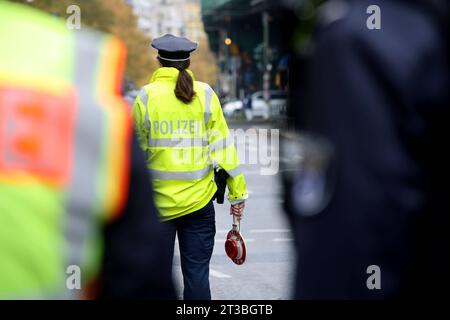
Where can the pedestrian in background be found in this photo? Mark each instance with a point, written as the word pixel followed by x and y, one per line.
pixel 248 104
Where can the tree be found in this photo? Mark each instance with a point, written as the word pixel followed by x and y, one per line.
pixel 203 63
pixel 117 17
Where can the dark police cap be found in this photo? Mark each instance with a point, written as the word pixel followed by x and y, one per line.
pixel 173 48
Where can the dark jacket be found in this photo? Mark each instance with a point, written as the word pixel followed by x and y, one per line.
pixel 380 98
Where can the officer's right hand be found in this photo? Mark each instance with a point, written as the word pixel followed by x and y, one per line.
pixel 238 209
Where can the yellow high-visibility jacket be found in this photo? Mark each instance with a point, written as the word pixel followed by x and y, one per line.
pixel 183 142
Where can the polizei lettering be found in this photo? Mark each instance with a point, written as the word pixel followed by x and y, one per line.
pixel 193 310
pixel 170 127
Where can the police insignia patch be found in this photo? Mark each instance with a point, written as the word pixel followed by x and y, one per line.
pixel 315 180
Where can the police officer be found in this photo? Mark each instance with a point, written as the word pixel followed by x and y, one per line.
pixel 370 205
pixel 72 177
pixel 182 129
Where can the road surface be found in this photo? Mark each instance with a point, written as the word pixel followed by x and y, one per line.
pixel 268 270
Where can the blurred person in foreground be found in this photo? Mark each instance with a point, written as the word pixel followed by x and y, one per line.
pixel 75 219
pixel 372 195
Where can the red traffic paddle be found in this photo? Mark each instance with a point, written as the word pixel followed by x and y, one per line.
pixel 235 245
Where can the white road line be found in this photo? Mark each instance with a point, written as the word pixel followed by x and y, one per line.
pixel 282 240
pixel 269 230
pixel 245 239
pixel 252 172
pixel 218 274
pixel 223 231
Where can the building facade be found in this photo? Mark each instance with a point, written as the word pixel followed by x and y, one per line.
pixel 178 17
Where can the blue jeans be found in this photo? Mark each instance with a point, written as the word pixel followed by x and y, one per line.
pixel 196 233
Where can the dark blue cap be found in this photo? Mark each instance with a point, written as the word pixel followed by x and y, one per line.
pixel 173 48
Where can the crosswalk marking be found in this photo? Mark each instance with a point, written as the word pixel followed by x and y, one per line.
pixel 270 230
pixel 245 239
pixel 258 231
pixel 218 274
pixel 282 239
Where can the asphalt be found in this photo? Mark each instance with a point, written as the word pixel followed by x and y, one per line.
pixel 268 270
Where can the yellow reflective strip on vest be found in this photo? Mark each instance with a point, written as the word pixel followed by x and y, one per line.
pixel 234 172
pixel 181 175
pixel 143 96
pixel 208 97
pixel 82 193
pixel 177 142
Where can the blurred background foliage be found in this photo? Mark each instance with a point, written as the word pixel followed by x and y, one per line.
pixel 307 13
pixel 203 64
pixel 117 17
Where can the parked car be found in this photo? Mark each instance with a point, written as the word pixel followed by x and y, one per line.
pixel 275 107
pixel 260 108
pixel 278 103
pixel 232 108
